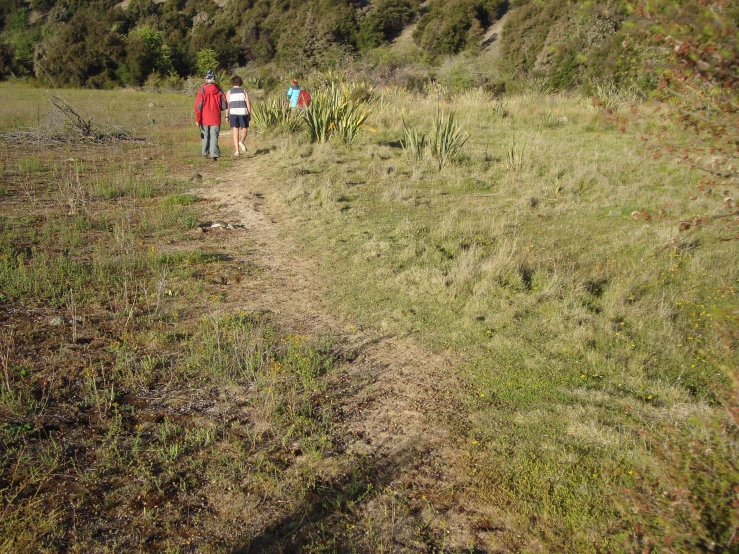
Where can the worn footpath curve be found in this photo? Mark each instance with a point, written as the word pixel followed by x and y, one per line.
pixel 398 413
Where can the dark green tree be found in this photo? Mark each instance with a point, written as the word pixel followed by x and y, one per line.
pixel 305 44
pixel 443 29
pixel 217 36
pixel 21 37
pixel 146 52
pixel 83 52
pixel 6 59
pixel 42 5
pixel 7 9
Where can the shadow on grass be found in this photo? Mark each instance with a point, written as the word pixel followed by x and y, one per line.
pixel 331 508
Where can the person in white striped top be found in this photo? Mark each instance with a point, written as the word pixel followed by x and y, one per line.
pixel 239 114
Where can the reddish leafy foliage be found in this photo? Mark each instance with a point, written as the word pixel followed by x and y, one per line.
pixel 692 49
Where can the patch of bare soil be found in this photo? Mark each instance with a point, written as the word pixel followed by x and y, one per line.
pixel 491 39
pixel 397 412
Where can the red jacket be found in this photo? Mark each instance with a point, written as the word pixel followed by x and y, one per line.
pixel 209 104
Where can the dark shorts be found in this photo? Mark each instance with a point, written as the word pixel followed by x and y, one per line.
pixel 239 121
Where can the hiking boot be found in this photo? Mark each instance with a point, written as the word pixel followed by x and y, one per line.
pixel 242 147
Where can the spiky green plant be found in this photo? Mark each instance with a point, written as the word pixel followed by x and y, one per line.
pixel 537 85
pixel 223 78
pixel 500 108
pixel 264 115
pixel 275 114
pixel 319 117
pixel 290 120
pixel 335 111
pixel 351 118
pixel 414 143
pixel 515 154
pixel 611 97
pixel 447 140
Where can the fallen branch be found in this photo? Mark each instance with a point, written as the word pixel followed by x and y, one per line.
pixel 76 121
pixel 66 125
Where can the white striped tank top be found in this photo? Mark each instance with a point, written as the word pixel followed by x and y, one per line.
pixel 237 101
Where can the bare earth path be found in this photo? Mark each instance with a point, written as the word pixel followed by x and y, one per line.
pixel 397 415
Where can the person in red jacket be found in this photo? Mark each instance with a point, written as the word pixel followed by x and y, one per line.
pixel 209 104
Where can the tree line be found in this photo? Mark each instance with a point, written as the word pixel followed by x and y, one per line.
pixel 100 43
pixel 106 43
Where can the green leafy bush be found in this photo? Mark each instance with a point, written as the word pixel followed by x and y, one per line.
pixel 146 53
pixel 457 75
pixel 566 43
pixel 82 49
pixel 20 36
pixel 207 60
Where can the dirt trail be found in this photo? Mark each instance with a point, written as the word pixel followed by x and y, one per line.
pixel 397 413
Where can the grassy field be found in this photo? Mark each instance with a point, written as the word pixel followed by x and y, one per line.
pixel 137 400
pixel 143 409
pixel 598 345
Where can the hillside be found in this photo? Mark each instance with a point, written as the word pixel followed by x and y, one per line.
pixel 103 43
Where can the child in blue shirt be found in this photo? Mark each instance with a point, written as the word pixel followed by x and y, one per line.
pixel 292 94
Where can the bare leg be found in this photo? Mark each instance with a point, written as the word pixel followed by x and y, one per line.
pixel 236 139
pixel 242 137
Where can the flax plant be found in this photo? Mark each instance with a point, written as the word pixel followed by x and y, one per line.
pixel 351 119
pixel 448 139
pixel 515 155
pixel 500 109
pixel 318 118
pixel 609 97
pixel 336 111
pixel 414 143
pixel 275 114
